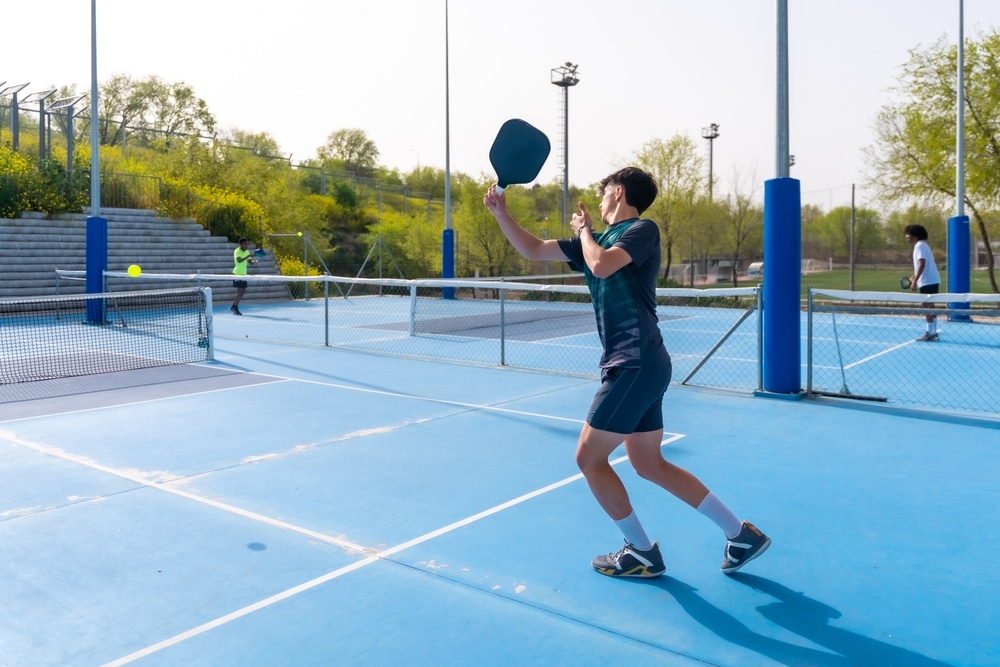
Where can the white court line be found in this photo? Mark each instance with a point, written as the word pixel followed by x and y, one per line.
pixel 166 487
pixel 878 354
pixel 370 557
pixel 443 401
pixel 329 576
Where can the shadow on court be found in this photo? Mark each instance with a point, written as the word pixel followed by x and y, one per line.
pixel 800 615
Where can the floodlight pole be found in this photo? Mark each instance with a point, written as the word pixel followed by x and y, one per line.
pixel 960 118
pixel 448 235
pixel 565 77
pixel 781 366
pixel 95 175
pixel 97 227
pixel 711 133
pixel 959 232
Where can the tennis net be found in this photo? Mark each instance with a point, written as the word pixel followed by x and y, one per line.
pixel 67 336
pixel 713 335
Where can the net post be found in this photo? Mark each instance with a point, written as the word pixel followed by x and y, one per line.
pixel 209 329
pixel 326 310
pixel 503 336
pixel 413 309
pixel 759 293
pixel 809 341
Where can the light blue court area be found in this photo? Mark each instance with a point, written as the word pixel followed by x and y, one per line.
pixel 291 505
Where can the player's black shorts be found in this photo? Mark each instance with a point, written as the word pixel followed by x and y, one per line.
pixel 240 284
pixel 930 289
pixel 630 400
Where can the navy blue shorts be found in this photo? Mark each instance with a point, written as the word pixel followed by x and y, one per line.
pixel 630 400
pixel 240 284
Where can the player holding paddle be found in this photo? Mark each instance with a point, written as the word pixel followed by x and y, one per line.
pixel 242 256
pixel 621 265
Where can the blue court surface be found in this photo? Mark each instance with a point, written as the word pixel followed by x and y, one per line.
pixel 289 505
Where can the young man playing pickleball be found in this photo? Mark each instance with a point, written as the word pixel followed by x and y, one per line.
pixel 621 265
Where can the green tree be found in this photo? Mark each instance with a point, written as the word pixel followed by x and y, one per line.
pixel 426 182
pixel 678 168
pixel 349 149
pixel 742 232
pixel 913 158
pixel 481 244
pixel 866 236
pixel 814 245
pixel 144 110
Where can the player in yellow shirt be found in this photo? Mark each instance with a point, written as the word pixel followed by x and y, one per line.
pixel 242 256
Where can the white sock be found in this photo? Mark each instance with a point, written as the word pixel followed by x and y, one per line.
pixel 713 508
pixel 633 532
pixel 932 327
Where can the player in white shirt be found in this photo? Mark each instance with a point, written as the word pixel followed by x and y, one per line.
pixel 925 276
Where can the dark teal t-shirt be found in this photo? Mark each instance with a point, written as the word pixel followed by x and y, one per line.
pixel 625 302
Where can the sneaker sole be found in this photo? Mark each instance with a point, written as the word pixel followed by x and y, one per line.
pixel 640 572
pixel 730 570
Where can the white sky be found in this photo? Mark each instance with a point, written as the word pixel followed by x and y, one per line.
pixel 300 69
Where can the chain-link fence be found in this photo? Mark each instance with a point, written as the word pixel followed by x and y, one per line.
pixel 871 346
pixel 843 231
pixel 858 345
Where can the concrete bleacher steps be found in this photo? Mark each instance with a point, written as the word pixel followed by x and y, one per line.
pixel 34 245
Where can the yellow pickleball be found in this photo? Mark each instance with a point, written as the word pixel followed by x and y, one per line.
pixel 134 270
pixel 300 233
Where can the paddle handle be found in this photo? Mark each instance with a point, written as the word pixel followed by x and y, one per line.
pixel 500 189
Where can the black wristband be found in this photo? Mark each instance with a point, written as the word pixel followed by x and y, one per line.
pixel 579 230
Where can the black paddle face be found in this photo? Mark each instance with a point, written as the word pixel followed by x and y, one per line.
pixel 518 153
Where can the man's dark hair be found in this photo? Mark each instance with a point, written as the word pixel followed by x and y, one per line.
pixel 243 239
pixel 916 231
pixel 640 188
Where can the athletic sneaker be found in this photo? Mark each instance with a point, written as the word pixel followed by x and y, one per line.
pixel 927 338
pixel 743 548
pixel 236 311
pixel 631 562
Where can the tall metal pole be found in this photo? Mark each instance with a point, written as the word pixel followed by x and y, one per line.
pixel 782 163
pixel 960 246
pixel 447 127
pixel 565 192
pixel 711 133
pixel 782 297
pixel 448 235
pixel 565 77
pixel 97 227
pixel 960 118
pixel 95 164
